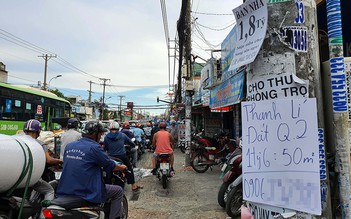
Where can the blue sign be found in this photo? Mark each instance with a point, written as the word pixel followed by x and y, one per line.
pixel 8 106
pixel 229 92
pixel 227 51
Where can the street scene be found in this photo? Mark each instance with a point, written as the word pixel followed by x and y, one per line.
pixel 175 109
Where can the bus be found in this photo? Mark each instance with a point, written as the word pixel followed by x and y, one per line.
pixel 19 103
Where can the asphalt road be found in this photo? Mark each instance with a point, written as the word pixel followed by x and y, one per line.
pixel 189 194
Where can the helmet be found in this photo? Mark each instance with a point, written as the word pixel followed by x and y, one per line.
pixel 32 125
pixel 93 128
pixel 126 125
pixel 162 125
pixel 113 125
pixel 148 124
pixel 72 123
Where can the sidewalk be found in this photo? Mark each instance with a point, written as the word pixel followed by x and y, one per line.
pixel 189 194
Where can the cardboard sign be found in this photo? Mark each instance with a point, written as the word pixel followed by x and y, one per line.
pixel 281 154
pixel 251 18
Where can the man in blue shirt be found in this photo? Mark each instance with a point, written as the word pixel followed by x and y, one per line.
pixel 114 145
pixel 139 133
pixel 82 174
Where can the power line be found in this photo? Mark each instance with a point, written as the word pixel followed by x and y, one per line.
pixel 206 13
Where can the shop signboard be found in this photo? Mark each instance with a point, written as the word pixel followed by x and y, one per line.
pixel 229 92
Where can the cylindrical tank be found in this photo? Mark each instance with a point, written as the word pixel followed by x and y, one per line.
pixel 12 160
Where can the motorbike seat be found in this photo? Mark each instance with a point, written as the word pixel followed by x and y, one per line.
pixel 70 202
pixel 164 156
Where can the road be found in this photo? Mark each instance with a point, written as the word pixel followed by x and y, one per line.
pixel 190 195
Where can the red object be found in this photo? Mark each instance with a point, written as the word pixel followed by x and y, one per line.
pixel 47 213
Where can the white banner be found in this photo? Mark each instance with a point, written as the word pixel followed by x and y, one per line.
pixel 251 19
pixel 281 154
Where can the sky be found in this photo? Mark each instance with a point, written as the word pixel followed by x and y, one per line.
pixel 123 41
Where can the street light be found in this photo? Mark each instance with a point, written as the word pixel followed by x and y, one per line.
pixel 57 76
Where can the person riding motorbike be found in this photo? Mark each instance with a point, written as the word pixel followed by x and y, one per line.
pixel 82 171
pixel 70 135
pixel 139 133
pixel 114 145
pixel 32 128
pixel 132 149
pixel 163 141
pixel 153 132
pixel 147 131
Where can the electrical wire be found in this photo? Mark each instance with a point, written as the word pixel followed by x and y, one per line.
pixel 206 13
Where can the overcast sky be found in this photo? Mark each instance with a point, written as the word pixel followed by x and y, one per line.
pixel 123 41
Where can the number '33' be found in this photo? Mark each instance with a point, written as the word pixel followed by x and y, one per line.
pixel 300 17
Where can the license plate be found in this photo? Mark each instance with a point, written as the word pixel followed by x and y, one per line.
pixel 164 166
pixel 224 166
pixel 147 140
pixel 58 175
pixel 211 156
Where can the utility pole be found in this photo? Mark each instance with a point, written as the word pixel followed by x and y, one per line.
pixel 120 107
pixel 280 48
pixel 340 109
pixel 189 90
pixel 90 92
pixel 46 58
pixel 103 98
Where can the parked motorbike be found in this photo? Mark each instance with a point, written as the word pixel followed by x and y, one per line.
pixel 235 198
pixel 163 171
pixel 71 207
pixel 234 171
pixel 182 146
pixel 207 152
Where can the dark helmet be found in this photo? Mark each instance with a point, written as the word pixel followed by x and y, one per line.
pixel 162 125
pixel 93 128
pixel 126 125
pixel 32 125
pixel 72 123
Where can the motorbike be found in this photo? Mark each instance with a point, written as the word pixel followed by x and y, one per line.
pixel 207 152
pixel 70 207
pixel 231 171
pixel 163 171
pixel 235 197
pixel 10 206
pixel 182 145
pixel 148 142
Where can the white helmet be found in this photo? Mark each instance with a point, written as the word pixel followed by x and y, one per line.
pixel 241 143
pixel 113 125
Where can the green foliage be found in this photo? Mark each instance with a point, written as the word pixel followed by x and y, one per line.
pixel 58 93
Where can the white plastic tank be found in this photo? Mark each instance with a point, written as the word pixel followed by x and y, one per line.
pixel 12 160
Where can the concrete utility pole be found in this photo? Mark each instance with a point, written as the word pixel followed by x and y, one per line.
pixel 189 90
pixel 339 99
pixel 291 47
pixel 120 107
pixel 46 58
pixel 90 82
pixel 103 98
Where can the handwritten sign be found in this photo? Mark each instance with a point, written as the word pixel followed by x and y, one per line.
pixel 281 154
pixel 251 18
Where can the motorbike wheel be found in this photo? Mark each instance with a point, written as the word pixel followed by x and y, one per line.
pixel 234 201
pixel 124 208
pixel 164 181
pixel 223 194
pixel 182 148
pixel 198 158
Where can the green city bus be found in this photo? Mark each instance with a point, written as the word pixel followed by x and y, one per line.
pixel 19 103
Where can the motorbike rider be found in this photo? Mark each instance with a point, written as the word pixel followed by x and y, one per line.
pixel 132 149
pixel 139 133
pixel 32 128
pixel 174 131
pixel 70 135
pixel 153 132
pixel 147 131
pixel 163 141
pixel 114 145
pixel 82 170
